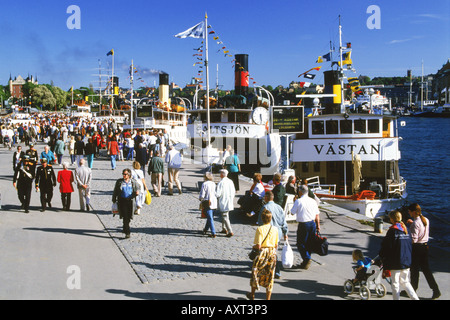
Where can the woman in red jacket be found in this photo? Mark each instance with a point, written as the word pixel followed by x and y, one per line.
pixel 97 143
pixel 113 151
pixel 65 179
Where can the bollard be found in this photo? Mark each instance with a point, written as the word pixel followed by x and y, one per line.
pixel 378 225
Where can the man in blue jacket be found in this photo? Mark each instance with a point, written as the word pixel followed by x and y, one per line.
pixel 48 155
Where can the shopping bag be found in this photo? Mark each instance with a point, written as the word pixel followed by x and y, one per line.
pixel 148 198
pixel 319 244
pixel 287 256
pixel 115 208
pixel 204 205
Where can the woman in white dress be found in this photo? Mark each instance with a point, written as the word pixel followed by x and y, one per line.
pixel 71 144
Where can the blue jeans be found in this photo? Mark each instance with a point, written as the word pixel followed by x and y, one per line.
pixel 305 231
pixel 113 161
pixel 210 221
pixel 90 160
pixel 130 154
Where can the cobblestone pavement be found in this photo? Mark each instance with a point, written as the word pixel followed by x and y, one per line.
pixel 166 240
pixel 168 252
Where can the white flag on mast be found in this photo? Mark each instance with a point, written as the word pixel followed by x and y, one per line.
pixel 196 31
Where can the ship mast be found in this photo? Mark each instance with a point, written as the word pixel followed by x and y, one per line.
pixel 131 85
pixel 112 83
pixel 208 118
pixel 100 84
pixel 341 66
pixel 421 89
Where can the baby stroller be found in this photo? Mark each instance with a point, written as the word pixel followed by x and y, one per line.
pixel 372 281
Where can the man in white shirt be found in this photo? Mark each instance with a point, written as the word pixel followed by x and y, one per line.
pixel 130 146
pixel 225 193
pixel 152 143
pixel 209 202
pixel 308 218
pixel 174 161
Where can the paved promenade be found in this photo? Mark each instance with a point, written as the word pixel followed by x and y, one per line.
pixel 75 255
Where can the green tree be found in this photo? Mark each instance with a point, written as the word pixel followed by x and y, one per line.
pixel 42 96
pixel 4 94
pixel 364 80
pixel 28 88
pixel 60 96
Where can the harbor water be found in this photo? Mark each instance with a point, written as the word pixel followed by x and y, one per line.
pixel 425 153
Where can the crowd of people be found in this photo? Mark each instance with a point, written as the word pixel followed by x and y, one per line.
pixel 83 140
pixel 403 253
pixel 82 137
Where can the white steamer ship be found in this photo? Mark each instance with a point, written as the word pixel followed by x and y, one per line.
pixel 241 121
pixel 160 114
pixel 350 159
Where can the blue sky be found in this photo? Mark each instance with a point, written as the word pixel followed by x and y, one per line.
pixel 283 38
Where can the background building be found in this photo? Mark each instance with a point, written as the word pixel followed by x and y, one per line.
pixel 15 86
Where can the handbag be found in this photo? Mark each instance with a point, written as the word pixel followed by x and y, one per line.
pixel 319 244
pixel 148 198
pixel 204 205
pixel 287 256
pixel 255 252
pixel 115 208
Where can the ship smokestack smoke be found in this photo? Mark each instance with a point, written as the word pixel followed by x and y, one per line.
pixel 241 75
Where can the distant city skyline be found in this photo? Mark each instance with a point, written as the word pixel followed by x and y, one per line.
pixel 53 42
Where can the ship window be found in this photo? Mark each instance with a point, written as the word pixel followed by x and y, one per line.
pixel 215 117
pixel 305 166
pixel 332 127
pixel 241 117
pixel 316 166
pixel 333 166
pixel 346 127
pixel 373 126
pixel 386 124
pixel 360 126
pixel 317 127
pixel 373 166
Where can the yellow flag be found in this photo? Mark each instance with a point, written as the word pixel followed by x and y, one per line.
pixel 346 58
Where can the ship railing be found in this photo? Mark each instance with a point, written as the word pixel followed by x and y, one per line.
pixel 396 188
pixel 170 122
pixel 317 187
